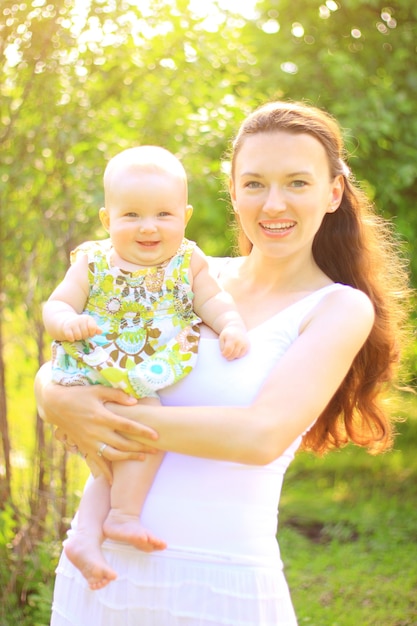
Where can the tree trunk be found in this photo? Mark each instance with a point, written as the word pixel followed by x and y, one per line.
pixel 5 475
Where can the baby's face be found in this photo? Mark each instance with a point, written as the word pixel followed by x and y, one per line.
pixel 146 214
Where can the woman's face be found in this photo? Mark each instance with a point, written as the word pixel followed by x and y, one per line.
pixel 282 189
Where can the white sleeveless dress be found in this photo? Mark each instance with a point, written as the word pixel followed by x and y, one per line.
pixel 219 519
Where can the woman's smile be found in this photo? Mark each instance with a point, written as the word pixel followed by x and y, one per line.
pixel 280 228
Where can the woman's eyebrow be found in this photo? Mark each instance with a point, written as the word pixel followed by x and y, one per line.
pixel 300 173
pixel 251 174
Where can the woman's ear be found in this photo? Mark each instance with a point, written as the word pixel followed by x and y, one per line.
pixel 336 194
pixel 104 218
pixel 232 193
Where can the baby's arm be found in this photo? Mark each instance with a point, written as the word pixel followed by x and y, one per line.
pixel 217 309
pixel 62 312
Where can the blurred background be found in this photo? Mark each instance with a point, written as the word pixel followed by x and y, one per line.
pixel 81 80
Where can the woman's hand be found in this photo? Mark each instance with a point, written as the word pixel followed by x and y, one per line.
pixel 85 423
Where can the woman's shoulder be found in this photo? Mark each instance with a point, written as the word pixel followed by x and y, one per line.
pixel 343 306
pixel 218 264
pixel 338 294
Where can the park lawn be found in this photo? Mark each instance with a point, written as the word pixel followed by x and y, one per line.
pixel 348 533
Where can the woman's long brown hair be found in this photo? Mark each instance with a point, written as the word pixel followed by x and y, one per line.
pixel 354 246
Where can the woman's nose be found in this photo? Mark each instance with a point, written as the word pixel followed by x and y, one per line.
pixel 275 200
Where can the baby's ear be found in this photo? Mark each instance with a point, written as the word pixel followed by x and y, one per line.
pixel 104 218
pixel 188 213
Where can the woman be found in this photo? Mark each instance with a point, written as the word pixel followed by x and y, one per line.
pixel 319 286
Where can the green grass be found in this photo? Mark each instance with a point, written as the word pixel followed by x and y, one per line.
pixel 348 534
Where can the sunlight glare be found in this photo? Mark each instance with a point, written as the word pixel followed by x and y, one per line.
pixel 270 27
pixel 245 8
pixel 331 5
pixel 212 12
pixel 297 30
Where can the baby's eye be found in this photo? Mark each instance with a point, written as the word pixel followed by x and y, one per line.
pixel 131 214
pixel 164 214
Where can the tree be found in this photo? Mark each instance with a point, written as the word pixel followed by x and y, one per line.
pixel 81 81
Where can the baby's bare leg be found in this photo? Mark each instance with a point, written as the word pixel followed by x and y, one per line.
pixel 131 483
pixel 83 547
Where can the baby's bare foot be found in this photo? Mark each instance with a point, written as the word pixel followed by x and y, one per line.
pixel 84 551
pixel 128 529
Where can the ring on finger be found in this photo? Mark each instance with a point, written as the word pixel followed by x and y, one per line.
pixel 101 449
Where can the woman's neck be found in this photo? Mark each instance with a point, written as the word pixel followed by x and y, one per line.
pixel 261 287
pixel 277 275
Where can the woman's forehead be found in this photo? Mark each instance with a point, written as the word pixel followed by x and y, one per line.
pixel 280 148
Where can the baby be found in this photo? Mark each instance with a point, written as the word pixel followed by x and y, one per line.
pixel 127 315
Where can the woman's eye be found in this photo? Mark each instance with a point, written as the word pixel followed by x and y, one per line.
pixel 253 184
pixel 298 183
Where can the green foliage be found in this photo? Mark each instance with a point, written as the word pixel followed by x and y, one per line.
pixel 26 576
pixel 7 531
pixel 78 88
pixel 79 82
pixel 354 61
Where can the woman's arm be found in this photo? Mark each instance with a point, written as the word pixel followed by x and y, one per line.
pixel 293 396
pixel 295 393
pixel 81 415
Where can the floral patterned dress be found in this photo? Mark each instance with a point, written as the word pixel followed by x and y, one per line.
pixel 150 332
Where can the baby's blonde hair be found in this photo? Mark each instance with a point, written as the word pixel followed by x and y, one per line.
pixel 148 158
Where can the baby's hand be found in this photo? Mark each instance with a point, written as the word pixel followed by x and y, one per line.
pixel 234 342
pixel 80 327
